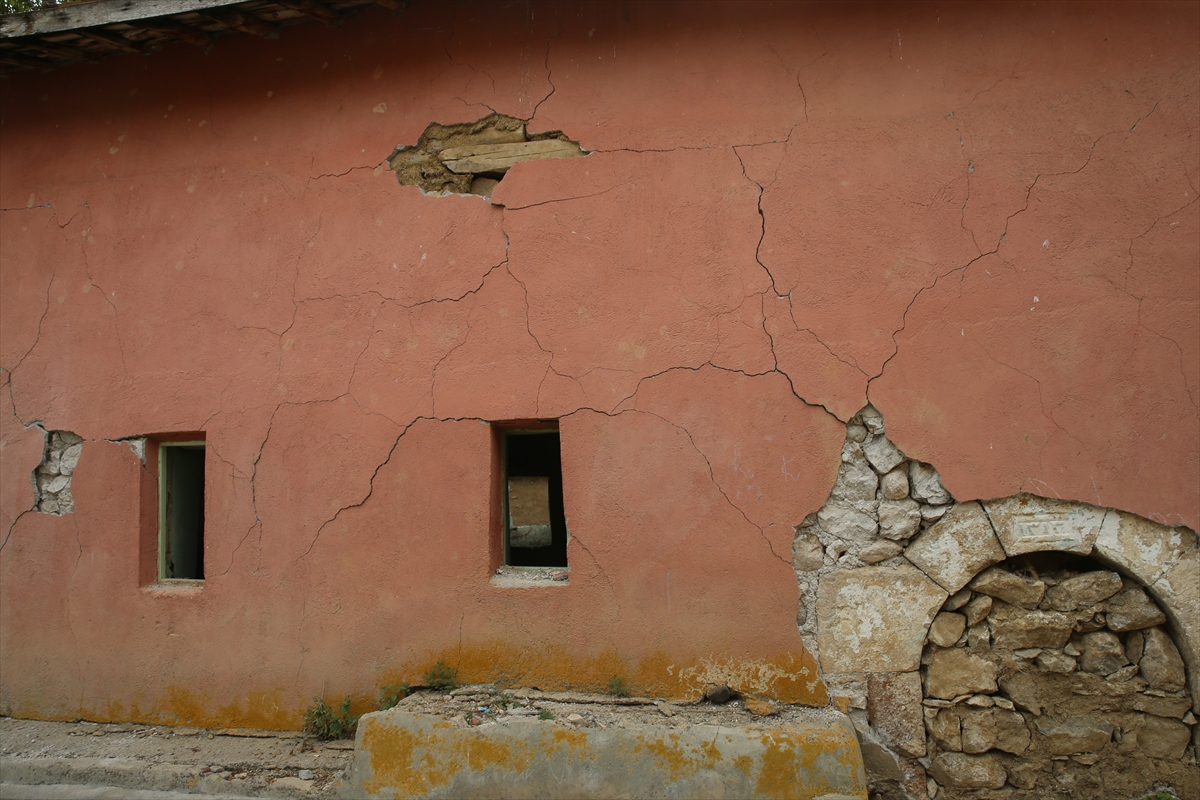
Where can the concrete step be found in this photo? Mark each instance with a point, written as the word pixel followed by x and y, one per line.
pixel 403 754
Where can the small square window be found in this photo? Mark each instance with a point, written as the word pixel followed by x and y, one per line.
pixel 181 510
pixel 535 525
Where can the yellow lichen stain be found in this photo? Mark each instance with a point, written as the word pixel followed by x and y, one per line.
pixel 181 706
pixel 790 767
pixel 391 754
pixel 790 677
pixel 416 763
pixel 676 761
pixel 744 763
pixel 575 741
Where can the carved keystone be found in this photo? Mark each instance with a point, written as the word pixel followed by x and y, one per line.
pixel 1029 524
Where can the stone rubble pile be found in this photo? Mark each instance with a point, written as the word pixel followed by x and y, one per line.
pixel 52 478
pixel 1064 681
pixel 880 501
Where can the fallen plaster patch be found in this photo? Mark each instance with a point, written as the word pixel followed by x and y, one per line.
pixel 472 157
pixel 52 478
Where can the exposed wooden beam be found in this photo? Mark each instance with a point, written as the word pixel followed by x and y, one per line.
pixel 100 12
pixel 478 158
pixel 246 23
pixel 312 9
pixel 57 50
pixel 112 39
pixel 175 30
pixel 17 60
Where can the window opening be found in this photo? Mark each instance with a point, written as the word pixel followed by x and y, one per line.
pixel 535 525
pixel 181 511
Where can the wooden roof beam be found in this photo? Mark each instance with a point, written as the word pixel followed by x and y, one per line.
pixel 56 50
pixel 112 39
pixel 246 23
pixel 13 59
pixel 175 30
pixel 312 9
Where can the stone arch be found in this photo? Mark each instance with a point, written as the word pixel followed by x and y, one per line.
pixel 1055 674
pixel 876 592
pixel 1165 560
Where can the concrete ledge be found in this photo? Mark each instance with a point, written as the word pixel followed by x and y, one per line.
pixel 403 755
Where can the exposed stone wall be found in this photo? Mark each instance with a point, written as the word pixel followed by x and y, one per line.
pixel 880 500
pixel 1052 675
pixel 908 599
pixel 52 478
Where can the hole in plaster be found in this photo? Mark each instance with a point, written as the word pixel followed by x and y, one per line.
pixel 472 157
pixel 880 500
pixel 52 478
pixel 535 526
pixel 1052 670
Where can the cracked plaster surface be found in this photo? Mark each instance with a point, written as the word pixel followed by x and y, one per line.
pixel 775 220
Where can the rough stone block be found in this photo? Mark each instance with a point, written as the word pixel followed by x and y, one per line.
pixel 856 482
pixel 1083 591
pixel 807 553
pixel 1014 628
pixel 963 771
pixel 953 673
pixel 883 455
pixel 1008 587
pixel 874 619
pixel 1161 664
pixel 1029 524
pixel 978 608
pixel 947 628
pixel 1101 652
pixel 881 550
pixel 895 711
pixel 70 459
pixel 978 730
pixel 1132 610
pixel 1162 738
pixel 945 725
pixel 1012 734
pixel 846 521
pixel 927 484
pixel 1075 735
pixel 894 485
pixel 956 547
pixel 1022 689
pixel 899 519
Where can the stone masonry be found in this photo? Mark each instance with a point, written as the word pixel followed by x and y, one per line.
pixel 52 478
pixel 932 614
pixel 1055 677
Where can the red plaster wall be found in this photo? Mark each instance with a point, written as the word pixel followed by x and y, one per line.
pixel 980 218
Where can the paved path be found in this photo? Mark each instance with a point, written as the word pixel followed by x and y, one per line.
pixel 63 791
